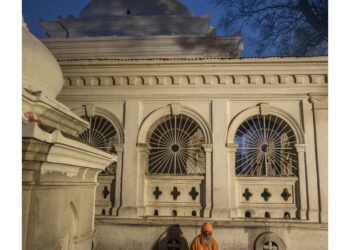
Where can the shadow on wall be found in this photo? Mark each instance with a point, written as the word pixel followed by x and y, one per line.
pixel 212 46
pixel 171 239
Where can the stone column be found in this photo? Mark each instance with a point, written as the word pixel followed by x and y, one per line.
pixel 221 169
pixel 130 169
pixel 302 212
pixel 208 148
pixel 320 111
pixel 143 152
pixel 231 161
pixel 118 179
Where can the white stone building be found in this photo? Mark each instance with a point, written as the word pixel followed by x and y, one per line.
pixel 199 134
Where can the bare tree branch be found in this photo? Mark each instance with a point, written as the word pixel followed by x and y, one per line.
pixel 285 26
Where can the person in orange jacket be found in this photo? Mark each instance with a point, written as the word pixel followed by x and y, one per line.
pixel 205 241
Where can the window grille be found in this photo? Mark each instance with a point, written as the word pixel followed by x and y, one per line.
pixel 265 147
pixel 176 147
pixel 101 133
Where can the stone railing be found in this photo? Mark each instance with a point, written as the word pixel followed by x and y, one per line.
pixel 103 195
pixel 266 197
pixel 173 196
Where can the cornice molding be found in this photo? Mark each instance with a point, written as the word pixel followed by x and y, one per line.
pixel 191 80
pixel 162 46
pixel 41 109
pixel 59 156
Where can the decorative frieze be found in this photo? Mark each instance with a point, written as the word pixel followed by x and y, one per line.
pixel 184 80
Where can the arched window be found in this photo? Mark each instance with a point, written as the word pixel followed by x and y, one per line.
pixel 265 147
pixel 175 144
pixel 101 134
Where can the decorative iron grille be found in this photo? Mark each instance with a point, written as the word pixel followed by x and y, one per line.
pixel 101 133
pixel 176 147
pixel 265 147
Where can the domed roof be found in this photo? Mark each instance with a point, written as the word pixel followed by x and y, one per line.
pixel 105 8
pixel 40 69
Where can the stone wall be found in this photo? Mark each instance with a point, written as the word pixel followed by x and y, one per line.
pixel 240 235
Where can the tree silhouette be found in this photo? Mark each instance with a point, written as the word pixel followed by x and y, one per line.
pixel 290 27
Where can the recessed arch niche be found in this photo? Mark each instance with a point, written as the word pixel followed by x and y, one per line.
pixel 182 138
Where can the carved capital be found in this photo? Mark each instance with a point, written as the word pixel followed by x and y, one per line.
pixel 119 147
pixel 300 147
pixel 319 101
pixel 232 147
pixel 208 147
pixel 142 147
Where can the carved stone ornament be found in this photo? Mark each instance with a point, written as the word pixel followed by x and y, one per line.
pixel 157 192
pixel 175 193
pixel 105 192
pixel 285 194
pixel 247 194
pixel 193 193
pixel 266 195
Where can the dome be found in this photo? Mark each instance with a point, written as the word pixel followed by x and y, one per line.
pixel 40 69
pixel 105 8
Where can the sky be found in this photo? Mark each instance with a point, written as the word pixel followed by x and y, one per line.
pixel 33 10
pixel 48 10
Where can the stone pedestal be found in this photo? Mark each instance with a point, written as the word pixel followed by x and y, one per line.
pixel 59 183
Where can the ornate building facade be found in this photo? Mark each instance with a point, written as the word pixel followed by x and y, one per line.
pixel 199 133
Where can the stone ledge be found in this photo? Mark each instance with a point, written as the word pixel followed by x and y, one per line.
pixel 192 221
pixel 162 46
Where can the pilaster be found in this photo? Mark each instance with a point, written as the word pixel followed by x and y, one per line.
pixel 320 112
pixel 208 148
pixel 302 211
pixel 231 161
pixel 221 169
pixel 142 160
pixel 118 179
pixel 310 163
pixel 130 170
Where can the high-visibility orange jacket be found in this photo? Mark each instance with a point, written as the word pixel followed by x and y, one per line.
pixel 197 245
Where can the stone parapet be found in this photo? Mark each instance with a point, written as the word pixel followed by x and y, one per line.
pixel 145 47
